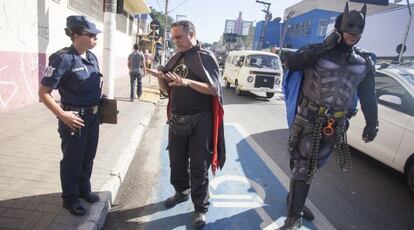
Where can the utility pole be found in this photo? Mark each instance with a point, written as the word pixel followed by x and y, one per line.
pixel 267 19
pixel 108 44
pixel 165 34
pixel 285 27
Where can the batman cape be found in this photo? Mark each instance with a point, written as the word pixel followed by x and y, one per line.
pixel 205 66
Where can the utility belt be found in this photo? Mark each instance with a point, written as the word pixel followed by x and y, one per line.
pixel 322 110
pixel 82 110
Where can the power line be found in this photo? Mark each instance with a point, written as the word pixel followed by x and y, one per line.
pixel 178 6
pixel 159 6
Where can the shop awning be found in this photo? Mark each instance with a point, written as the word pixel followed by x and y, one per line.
pixel 137 6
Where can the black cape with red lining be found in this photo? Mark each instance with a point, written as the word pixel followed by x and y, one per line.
pixel 205 66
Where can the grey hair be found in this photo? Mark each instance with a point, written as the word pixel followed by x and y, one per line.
pixel 187 25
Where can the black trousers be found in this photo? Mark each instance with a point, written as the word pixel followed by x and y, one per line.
pixel 190 158
pixel 78 155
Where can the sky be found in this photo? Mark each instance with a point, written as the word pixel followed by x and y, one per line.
pixel 209 16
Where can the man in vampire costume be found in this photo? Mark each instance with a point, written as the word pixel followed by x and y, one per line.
pixel 321 90
pixel 195 117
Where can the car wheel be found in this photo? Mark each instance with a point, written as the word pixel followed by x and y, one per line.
pixel 410 178
pixel 226 83
pixel 238 91
pixel 269 95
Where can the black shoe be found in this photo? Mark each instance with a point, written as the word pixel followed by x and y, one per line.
pixel 75 208
pixel 131 99
pixel 90 197
pixel 176 199
pixel 199 220
pixel 292 223
pixel 307 213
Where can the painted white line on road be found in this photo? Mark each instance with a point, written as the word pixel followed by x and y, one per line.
pixel 228 204
pixel 320 221
pixel 231 196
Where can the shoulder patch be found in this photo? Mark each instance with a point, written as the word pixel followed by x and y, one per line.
pixel 49 71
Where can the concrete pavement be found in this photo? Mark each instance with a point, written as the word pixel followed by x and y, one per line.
pixel 30 155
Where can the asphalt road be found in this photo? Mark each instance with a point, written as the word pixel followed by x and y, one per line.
pixel 371 196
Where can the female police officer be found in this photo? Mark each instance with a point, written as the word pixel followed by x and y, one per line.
pixel 75 73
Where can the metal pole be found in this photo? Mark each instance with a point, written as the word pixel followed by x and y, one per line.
pixel 285 26
pixel 406 32
pixel 108 44
pixel 165 34
pixel 241 41
pixel 261 39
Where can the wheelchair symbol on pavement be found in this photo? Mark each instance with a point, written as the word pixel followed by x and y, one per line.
pixel 250 200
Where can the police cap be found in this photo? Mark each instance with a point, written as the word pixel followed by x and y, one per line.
pixel 81 22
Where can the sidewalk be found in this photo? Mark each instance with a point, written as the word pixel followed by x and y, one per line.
pixel 30 155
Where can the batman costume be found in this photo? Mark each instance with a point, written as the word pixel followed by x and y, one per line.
pixel 321 89
pixel 195 125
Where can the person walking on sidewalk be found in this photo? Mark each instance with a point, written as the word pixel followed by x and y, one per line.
pixel 326 81
pixel 137 70
pixel 74 71
pixel 195 113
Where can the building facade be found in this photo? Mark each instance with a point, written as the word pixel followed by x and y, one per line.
pixel 272 33
pixel 310 18
pixel 30 31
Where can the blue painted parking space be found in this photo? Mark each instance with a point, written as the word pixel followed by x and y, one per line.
pixel 244 195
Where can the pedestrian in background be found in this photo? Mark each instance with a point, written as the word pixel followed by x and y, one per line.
pixel 137 70
pixel 195 113
pixel 74 71
pixel 148 59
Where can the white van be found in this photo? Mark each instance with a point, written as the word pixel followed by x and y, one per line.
pixel 254 71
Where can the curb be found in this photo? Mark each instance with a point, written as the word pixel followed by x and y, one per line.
pixel 109 190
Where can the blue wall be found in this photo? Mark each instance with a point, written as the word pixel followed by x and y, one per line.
pixel 271 36
pixel 304 29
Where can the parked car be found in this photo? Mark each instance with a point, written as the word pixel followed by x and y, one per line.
pixel 394 144
pixel 254 71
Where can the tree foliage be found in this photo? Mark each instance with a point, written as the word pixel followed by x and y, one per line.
pixel 159 16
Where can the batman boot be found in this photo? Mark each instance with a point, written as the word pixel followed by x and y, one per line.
pixel 307 213
pixel 297 197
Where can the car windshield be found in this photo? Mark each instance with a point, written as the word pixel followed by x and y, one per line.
pixel 262 61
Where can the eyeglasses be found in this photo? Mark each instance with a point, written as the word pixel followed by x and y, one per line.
pixel 89 34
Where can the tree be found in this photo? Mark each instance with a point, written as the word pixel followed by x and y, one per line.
pixel 159 16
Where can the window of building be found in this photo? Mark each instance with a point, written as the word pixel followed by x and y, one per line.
pixel 121 22
pixel 91 8
pixel 306 28
pixel 130 24
pixel 323 25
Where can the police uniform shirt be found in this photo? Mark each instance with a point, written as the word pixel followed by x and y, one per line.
pixel 186 100
pixel 78 79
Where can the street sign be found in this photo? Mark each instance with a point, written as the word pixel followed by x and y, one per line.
pixel 154 25
pixel 154 36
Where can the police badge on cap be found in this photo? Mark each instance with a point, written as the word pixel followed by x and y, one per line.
pixel 81 22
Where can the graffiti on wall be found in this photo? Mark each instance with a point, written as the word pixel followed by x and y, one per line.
pixel 24 35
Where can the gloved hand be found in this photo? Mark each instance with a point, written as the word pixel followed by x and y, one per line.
pixel 370 132
pixel 333 39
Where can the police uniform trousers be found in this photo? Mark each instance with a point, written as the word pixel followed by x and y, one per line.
pixel 190 158
pixel 78 155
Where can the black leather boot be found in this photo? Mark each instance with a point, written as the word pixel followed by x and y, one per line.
pixel 307 213
pixel 297 197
